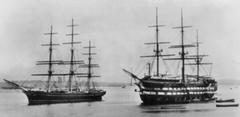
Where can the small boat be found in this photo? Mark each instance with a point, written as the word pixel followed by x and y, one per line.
pixel 227 100
pixel 227 105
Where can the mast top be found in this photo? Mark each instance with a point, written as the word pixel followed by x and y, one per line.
pixel 157 51
pixel 156 25
pixel 182 26
pixel 72 25
pixel 72 34
pixel 50 62
pixel 89 65
pixel 51 31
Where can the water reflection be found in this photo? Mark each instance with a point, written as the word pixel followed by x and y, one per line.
pixel 118 102
pixel 176 110
pixel 181 108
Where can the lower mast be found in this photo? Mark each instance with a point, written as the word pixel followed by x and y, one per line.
pixel 89 66
pixel 72 62
pixel 50 71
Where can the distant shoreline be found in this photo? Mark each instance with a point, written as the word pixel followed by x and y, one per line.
pixel 41 84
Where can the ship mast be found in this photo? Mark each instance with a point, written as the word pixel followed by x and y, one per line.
pixel 157 46
pixel 72 62
pixel 198 59
pixel 50 62
pixel 182 46
pixel 50 59
pixel 89 66
pixel 183 50
pixel 157 50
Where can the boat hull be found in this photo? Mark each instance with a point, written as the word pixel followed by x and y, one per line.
pixel 39 97
pixel 175 99
pixel 223 101
pixel 159 92
pixel 227 105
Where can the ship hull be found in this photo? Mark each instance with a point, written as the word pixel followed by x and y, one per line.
pixel 160 92
pixel 181 99
pixel 39 97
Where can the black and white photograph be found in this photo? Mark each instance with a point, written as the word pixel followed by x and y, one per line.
pixel 119 58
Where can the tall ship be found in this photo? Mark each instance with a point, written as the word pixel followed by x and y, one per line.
pixel 71 91
pixel 175 88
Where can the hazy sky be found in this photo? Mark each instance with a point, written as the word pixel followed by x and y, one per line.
pixel 119 30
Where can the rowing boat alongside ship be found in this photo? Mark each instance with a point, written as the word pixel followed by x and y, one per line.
pixel 227 105
pixel 166 88
pixel 74 92
pixel 226 100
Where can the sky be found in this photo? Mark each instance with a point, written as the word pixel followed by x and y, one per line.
pixel 119 29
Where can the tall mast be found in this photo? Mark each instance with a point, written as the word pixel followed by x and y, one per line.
pixel 198 59
pixel 183 50
pixel 71 72
pixel 157 52
pixel 182 46
pixel 50 71
pixel 89 65
pixel 71 59
pixel 50 61
pixel 157 46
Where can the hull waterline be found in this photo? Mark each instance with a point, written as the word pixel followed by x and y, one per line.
pixel 38 97
pixel 183 99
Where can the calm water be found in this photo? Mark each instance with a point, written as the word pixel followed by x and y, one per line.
pixel 118 102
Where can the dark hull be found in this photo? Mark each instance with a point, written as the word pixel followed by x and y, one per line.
pixel 227 105
pixel 171 92
pixel 39 97
pixel 173 99
pixel 222 101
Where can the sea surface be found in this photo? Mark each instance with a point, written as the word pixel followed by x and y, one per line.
pixel 118 102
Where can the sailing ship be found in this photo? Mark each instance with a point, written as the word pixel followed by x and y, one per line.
pixel 165 88
pixel 73 93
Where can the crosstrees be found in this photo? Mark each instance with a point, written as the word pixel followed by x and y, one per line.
pixel 56 92
pixel 153 43
pixel 89 66
pixel 182 46
pixel 50 62
pixel 157 50
pixel 198 60
pixel 168 88
pixel 71 62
